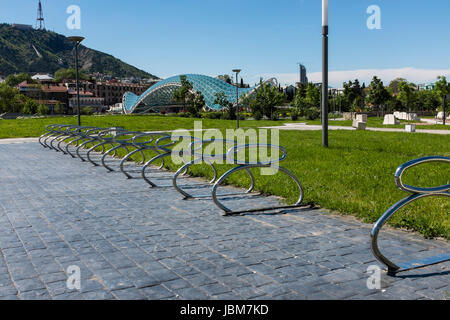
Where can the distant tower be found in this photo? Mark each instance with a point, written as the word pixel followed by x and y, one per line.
pixel 40 24
pixel 303 77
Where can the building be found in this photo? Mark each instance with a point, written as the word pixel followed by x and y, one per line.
pixel 111 91
pixel 48 94
pixel 303 77
pixel 22 26
pixel 87 99
pixel 160 95
pixel 425 86
pixel 42 78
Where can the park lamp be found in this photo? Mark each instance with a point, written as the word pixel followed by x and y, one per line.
pixel 77 40
pixel 325 73
pixel 237 71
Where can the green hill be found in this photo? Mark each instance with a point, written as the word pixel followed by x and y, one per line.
pixel 37 51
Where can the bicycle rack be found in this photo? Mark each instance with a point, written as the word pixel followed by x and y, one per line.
pixel 416 194
pixel 162 144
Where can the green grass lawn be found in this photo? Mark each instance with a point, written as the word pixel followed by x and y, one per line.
pixel 353 176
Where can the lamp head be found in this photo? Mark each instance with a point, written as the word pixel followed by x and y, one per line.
pixel 76 39
pixel 237 70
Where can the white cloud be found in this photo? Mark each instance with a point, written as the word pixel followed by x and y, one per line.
pixel 336 78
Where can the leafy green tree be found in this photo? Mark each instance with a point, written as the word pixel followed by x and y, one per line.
pixel 13 80
pixel 59 109
pixel 266 98
pixel 441 88
pixel 378 95
pixel 425 100
pixel 394 85
pixel 405 95
pixel 68 74
pixel 354 96
pixel 222 100
pixel 225 77
pixel 87 111
pixel 30 107
pixel 196 102
pixel 7 101
pixel 181 94
pixel 43 110
pixel 312 96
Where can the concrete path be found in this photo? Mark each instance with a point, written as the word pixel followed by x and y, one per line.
pixel 133 242
pixel 305 127
pixel 18 140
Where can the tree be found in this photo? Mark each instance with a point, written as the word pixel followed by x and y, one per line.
pixel 266 98
pixel 353 96
pixel 425 100
pixel 222 100
pixel 59 109
pixel 378 95
pixel 405 95
pixel 312 96
pixel 196 102
pixel 394 85
pixel 7 101
pixel 68 74
pixel 181 94
pixel 14 80
pixel 441 88
pixel 30 107
pixel 224 77
pixel 42 109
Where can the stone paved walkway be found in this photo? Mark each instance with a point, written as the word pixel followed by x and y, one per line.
pixel 307 127
pixel 133 242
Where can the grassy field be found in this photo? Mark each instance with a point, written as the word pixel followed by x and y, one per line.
pixel 354 176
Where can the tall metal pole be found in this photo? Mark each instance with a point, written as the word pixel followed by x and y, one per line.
pixel 237 97
pixel 77 40
pixel 444 107
pixel 325 73
pixel 77 84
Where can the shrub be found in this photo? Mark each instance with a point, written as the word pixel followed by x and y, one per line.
pixel 30 107
pixel 87 111
pixel 312 114
pixel 257 115
pixel 294 115
pixel 42 109
pixel 59 109
pixel 212 115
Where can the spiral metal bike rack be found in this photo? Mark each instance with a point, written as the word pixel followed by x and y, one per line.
pixel 416 193
pixel 110 140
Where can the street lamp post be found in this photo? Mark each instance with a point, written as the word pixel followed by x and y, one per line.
pixel 77 40
pixel 237 71
pixel 446 97
pixel 325 73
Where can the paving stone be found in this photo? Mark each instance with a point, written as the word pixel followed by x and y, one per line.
pixel 156 293
pixel 132 242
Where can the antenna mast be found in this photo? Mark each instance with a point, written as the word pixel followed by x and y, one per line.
pixel 40 24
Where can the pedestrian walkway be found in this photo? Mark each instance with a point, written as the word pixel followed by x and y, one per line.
pixel 306 127
pixel 134 242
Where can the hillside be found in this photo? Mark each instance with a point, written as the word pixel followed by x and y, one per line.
pixel 36 51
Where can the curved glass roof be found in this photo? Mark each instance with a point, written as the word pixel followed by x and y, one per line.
pixel 161 94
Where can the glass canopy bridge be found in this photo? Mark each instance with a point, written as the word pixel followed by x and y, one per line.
pixel 161 94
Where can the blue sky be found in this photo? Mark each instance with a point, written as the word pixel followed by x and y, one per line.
pixel 264 38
